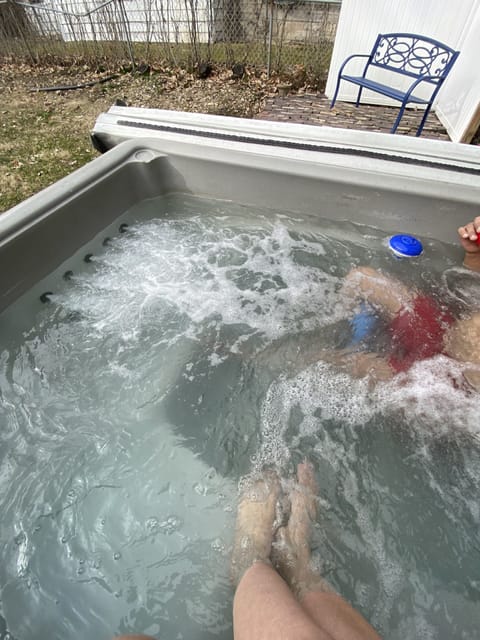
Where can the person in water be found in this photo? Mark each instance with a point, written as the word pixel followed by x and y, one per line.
pixel 279 594
pixel 419 327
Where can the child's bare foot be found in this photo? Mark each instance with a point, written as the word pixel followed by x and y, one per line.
pixel 255 525
pixel 291 553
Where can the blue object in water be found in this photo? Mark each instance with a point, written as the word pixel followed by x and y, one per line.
pixel 363 324
pixel 404 246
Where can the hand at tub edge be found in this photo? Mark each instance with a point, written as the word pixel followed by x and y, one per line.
pixel 469 235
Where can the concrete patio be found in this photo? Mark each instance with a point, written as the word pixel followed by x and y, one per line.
pixel 315 109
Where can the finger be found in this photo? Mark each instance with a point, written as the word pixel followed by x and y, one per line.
pixel 472 232
pixel 469 232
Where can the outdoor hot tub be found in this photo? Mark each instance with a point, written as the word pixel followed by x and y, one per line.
pixel 150 306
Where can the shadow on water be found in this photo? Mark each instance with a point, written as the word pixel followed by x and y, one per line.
pixel 216 410
pixel 216 403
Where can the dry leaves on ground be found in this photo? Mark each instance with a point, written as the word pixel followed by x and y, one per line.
pixel 45 134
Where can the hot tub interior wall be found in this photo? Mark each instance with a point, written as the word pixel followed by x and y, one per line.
pixel 71 219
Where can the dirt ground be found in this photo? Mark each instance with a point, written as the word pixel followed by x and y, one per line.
pixel 45 134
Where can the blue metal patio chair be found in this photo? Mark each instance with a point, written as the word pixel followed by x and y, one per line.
pixel 424 59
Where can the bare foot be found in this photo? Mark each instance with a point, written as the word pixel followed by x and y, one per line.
pixel 291 553
pixel 255 525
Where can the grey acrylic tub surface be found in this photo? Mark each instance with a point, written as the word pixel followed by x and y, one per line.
pixel 415 186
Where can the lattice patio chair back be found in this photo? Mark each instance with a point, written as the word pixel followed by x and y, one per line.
pixel 424 59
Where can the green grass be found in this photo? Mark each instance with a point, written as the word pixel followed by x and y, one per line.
pixel 32 158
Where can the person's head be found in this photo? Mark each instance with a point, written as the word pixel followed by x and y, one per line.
pixel 461 290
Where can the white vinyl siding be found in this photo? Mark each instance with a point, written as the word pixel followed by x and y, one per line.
pixel 455 24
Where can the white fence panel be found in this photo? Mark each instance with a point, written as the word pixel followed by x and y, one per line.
pixel 147 20
pixel 458 104
pixel 168 20
pixel 361 22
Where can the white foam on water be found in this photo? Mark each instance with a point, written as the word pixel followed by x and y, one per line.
pixel 164 270
pixel 424 405
pixel 321 393
pixel 434 395
pixel 431 396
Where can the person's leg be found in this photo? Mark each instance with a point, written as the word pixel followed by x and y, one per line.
pixel 255 524
pixel 389 294
pixel 358 364
pixel 333 614
pixel 264 608
pixel 292 555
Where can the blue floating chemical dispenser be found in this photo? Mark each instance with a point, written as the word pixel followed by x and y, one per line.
pixel 404 246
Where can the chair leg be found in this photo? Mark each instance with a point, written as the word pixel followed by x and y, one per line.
pixel 357 103
pixel 424 119
pixel 334 99
pixel 399 117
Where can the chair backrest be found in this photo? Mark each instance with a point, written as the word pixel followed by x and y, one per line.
pixel 413 55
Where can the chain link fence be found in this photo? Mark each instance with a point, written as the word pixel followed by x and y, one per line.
pixel 279 35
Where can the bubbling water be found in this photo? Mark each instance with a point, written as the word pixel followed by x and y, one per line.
pixel 183 357
pixel 200 271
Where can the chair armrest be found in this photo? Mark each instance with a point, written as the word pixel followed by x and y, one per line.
pixel 429 78
pixel 415 84
pixel 355 55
